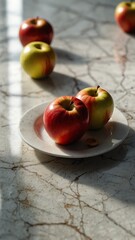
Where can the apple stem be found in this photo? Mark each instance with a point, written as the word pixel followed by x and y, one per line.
pixel 70 105
pixel 96 90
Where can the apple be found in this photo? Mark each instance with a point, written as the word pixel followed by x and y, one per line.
pixel 35 29
pixel 66 119
pixel 125 16
pixel 99 103
pixel 38 59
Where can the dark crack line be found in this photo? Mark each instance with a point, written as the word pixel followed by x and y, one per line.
pixel 77 194
pixel 115 222
pixel 119 225
pixel 29 95
pixel 75 228
pixel 81 209
pixel 77 197
pixel 76 85
pixel 77 178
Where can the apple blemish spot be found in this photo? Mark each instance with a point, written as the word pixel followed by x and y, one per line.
pixel 92 142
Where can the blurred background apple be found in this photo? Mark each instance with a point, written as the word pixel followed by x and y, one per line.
pixel 125 16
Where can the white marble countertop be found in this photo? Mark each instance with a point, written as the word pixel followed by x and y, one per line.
pixel 48 198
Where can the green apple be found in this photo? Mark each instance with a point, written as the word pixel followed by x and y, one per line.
pixel 38 59
pixel 99 103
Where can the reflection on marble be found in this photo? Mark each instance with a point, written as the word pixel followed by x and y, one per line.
pixel 43 197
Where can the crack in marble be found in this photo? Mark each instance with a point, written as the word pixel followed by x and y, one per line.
pixel 121 56
pixel 80 229
pixel 107 215
pixel 75 228
pixel 28 95
pixel 77 178
pixel 26 203
pixel 130 182
pixel 80 195
pixel 67 206
pixel 80 14
pixel 103 212
pixel 119 225
pixel 76 85
pixel 101 48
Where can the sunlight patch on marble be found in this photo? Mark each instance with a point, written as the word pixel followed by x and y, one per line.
pixel 14 87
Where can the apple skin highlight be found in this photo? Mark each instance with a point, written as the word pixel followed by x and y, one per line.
pixel 66 119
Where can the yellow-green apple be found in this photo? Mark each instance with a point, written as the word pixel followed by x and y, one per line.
pixel 99 103
pixel 38 59
pixel 125 16
pixel 66 119
pixel 35 29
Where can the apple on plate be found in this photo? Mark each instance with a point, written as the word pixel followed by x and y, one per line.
pixel 35 29
pixel 99 103
pixel 38 59
pixel 66 119
pixel 125 16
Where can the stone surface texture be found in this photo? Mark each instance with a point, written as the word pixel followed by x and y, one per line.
pixel 48 198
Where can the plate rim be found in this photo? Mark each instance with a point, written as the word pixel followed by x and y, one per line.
pixel 42 106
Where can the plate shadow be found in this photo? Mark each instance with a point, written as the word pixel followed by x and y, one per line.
pixel 106 172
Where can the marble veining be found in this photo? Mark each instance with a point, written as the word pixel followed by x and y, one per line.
pixel 49 198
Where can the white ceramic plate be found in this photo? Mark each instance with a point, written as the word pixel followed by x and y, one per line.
pixel 34 134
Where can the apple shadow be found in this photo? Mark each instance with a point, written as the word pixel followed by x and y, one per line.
pixel 58 83
pixel 111 172
pixel 131 33
pixel 64 56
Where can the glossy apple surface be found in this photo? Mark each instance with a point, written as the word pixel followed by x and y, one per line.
pixel 99 104
pixel 35 29
pixel 66 119
pixel 38 59
pixel 125 16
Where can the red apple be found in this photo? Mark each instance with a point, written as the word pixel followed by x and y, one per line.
pixel 66 119
pixel 38 59
pixel 35 29
pixel 99 104
pixel 125 16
